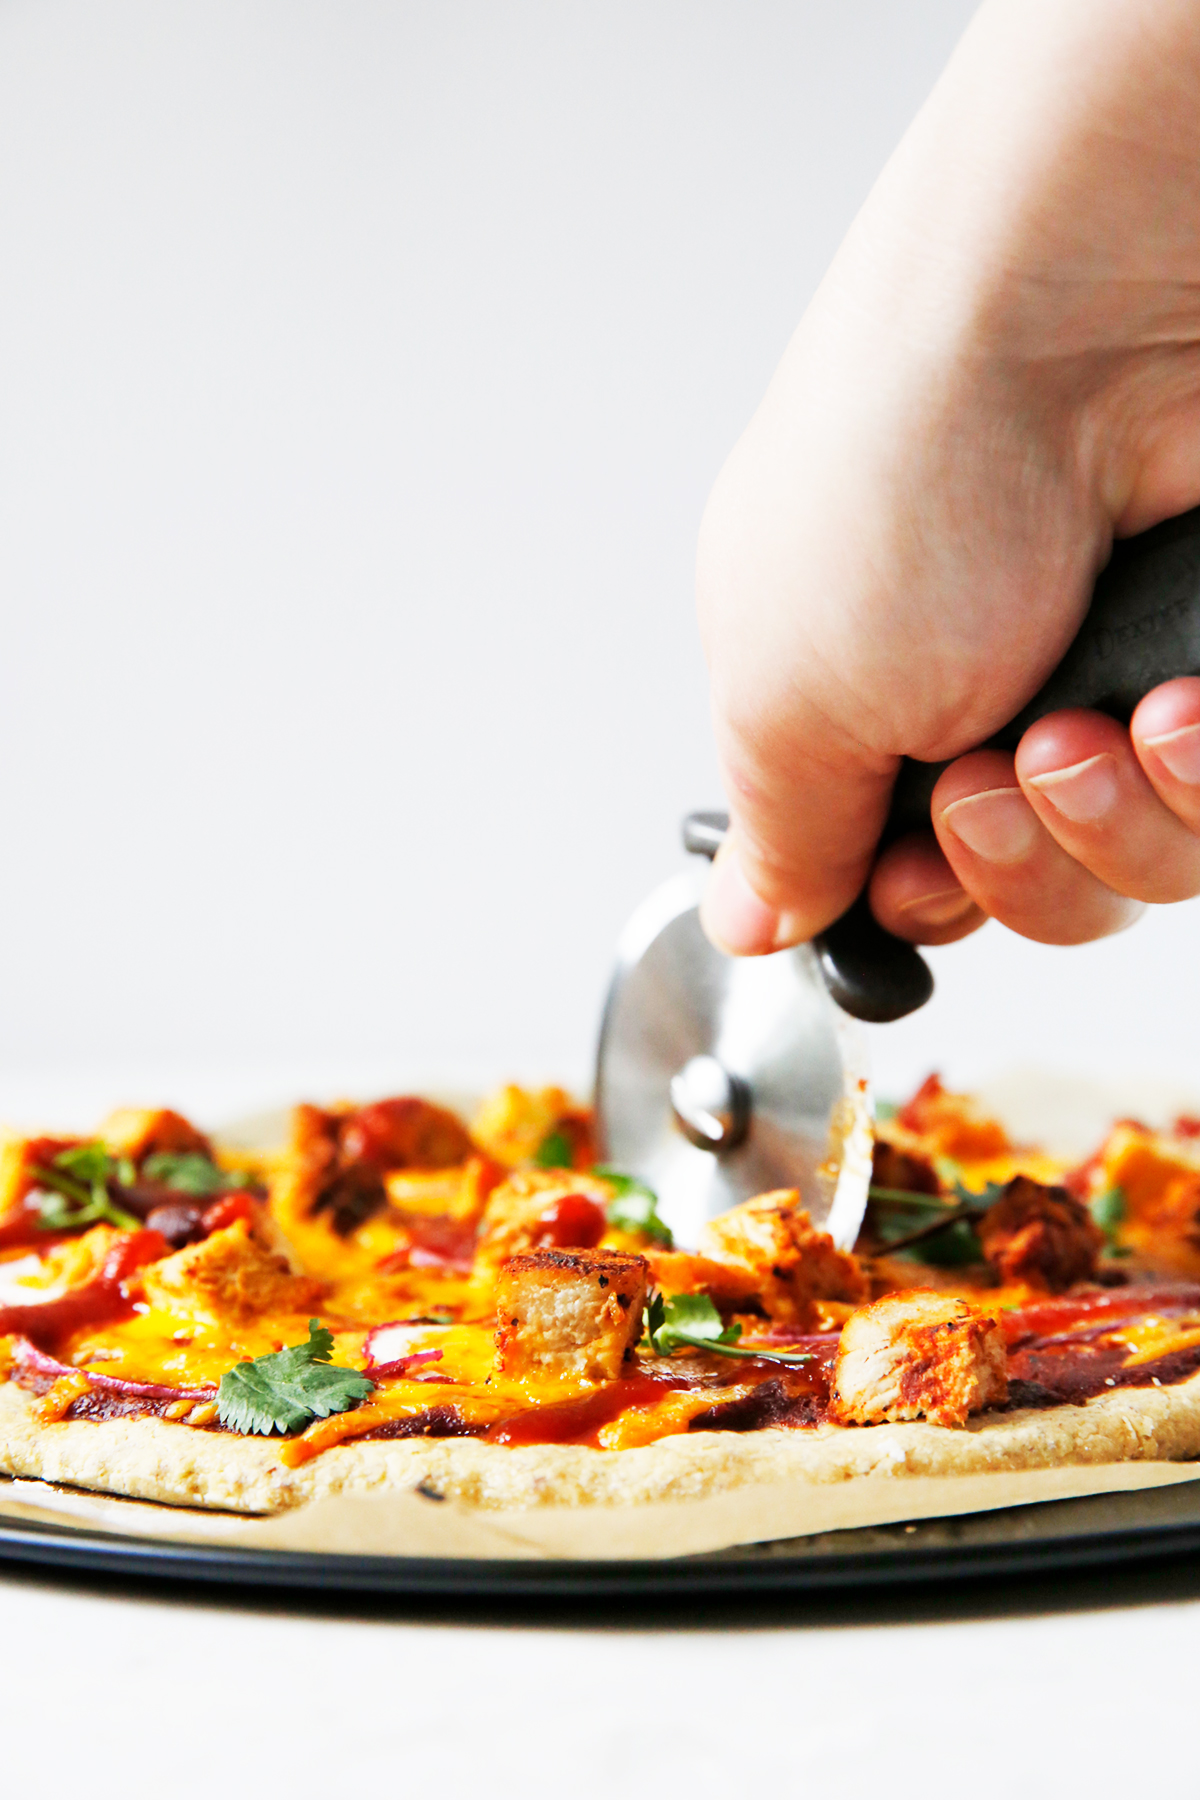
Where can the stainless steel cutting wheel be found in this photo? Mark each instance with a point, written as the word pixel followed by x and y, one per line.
pixel 719 1078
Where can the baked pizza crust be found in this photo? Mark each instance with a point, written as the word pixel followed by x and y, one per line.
pixel 155 1459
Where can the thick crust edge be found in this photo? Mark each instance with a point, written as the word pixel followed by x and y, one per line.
pixel 154 1459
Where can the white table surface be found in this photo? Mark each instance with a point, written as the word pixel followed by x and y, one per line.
pixel 997 1690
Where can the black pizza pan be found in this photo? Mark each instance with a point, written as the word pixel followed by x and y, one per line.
pixel 1106 1530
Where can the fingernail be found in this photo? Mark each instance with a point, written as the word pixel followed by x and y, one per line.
pixel 732 914
pixel 1179 752
pixel 1085 793
pixel 944 908
pixel 998 825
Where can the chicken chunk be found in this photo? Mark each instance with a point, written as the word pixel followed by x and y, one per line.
pixel 515 1123
pixel 918 1355
pixel 339 1157
pixel 1040 1235
pixel 946 1125
pixel 570 1313
pixel 1158 1176
pixel 731 1287
pixel 793 1266
pixel 902 1171
pixel 139 1131
pixel 20 1160
pixel 404 1133
pixel 229 1278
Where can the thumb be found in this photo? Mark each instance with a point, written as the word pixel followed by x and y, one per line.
pixel 803 830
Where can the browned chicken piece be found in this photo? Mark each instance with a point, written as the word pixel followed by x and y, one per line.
pixel 945 1125
pixel 730 1286
pixel 404 1133
pixel 137 1131
pixel 570 1313
pixel 918 1355
pixel 1175 1218
pixel 340 1155
pixel 514 1123
pixel 20 1160
pixel 903 1171
pixel 1158 1175
pixel 229 1278
pixel 793 1266
pixel 542 1209
pixel 1040 1235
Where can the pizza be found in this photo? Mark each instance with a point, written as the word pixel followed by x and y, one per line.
pixel 402 1298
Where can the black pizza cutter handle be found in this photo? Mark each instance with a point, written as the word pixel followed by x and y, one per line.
pixel 1142 628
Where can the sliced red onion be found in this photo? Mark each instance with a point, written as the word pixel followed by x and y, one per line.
pixel 396 1343
pixel 28 1356
pixel 404 1363
pixel 396 1339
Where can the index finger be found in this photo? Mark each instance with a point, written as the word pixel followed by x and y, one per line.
pixel 803 830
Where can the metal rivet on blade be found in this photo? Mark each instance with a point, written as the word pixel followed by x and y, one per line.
pixel 711 1106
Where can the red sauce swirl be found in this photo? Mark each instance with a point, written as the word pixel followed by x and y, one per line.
pixel 98 1302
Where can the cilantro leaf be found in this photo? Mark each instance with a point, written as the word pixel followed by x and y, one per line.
pixel 693 1321
pixel 554 1151
pixel 954 1242
pixel 78 1194
pixel 952 1248
pixel 1108 1210
pixel 906 1197
pixel 57 1213
pixel 86 1162
pixel 949 1173
pixel 92 1165
pixel 981 1197
pixel 934 1232
pixel 886 1109
pixel 946 1242
pixel 191 1172
pixel 687 1319
pixel 634 1207
pixel 285 1389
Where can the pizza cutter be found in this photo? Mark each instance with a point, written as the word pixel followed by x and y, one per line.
pixel 718 1078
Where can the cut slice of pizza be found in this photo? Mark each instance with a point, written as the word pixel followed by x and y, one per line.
pixel 401 1297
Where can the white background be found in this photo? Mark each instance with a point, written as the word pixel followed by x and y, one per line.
pixel 363 371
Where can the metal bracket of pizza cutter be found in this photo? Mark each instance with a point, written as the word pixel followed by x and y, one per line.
pixel 719 1078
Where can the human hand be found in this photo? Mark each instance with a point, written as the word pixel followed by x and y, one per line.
pixel 1001 370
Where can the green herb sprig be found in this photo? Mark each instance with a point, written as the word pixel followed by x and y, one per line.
pixel 634 1207
pixel 692 1321
pixel 191 1172
pixel 906 1197
pixel 946 1234
pixel 982 1198
pixel 285 1389
pixel 78 1195
pixel 1108 1210
pixel 555 1151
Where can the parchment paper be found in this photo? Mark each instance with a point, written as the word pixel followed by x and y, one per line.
pixel 414 1525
